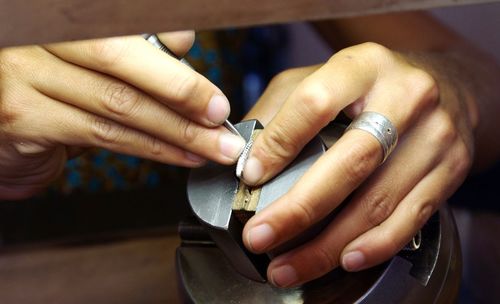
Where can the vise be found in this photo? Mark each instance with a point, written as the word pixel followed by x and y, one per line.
pixel 214 266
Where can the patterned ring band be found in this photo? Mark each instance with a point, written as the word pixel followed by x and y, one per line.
pixel 380 127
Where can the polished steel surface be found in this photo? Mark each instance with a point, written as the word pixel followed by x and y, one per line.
pixel 211 189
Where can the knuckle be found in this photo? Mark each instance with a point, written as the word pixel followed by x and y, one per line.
pixel 360 161
pixel 375 50
pixel 422 211
pixel 19 61
pixel 444 131
pixel 105 131
pixel 153 145
pixel 277 145
pixel 10 60
pixel 107 52
pixel 377 208
pixel 185 88
pixel 424 86
pixel 324 258
pixel 370 56
pixel 317 98
pixel 188 131
pixel 120 99
pixel 462 161
pixel 302 214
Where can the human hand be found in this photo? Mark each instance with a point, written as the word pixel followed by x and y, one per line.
pixel 389 202
pixel 121 94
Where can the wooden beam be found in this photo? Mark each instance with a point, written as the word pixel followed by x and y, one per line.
pixel 42 21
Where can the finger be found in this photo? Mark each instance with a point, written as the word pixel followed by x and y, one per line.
pixel 333 177
pixel 55 123
pixel 327 183
pixel 321 255
pixel 371 204
pixel 351 75
pixel 135 61
pixel 276 93
pixel 178 42
pixel 375 200
pixel 420 151
pixel 384 241
pixel 314 103
pixel 113 99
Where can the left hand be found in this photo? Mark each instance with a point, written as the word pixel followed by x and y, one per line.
pixel 390 201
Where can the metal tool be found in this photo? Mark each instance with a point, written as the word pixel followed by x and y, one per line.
pixel 154 40
pixel 231 128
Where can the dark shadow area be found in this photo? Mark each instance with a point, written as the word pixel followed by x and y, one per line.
pixel 84 216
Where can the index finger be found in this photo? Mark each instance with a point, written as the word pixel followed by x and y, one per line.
pixel 312 105
pixel 137 62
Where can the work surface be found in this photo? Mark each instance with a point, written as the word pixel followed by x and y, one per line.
pixel 140 269
pixel 125 271
pixel 42 21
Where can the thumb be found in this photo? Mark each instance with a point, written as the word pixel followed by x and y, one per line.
pixel 178 42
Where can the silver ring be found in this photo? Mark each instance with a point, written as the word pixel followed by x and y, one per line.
pixel 380 127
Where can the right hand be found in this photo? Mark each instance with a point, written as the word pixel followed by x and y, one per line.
pixel 384 205
pixel 121 94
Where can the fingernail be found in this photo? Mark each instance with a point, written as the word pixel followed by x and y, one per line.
pixel 218 109
pixel 284 276
pixel 231 145
pixel 253 172
pixel 194 157
pixel 260 237
pixel 353 261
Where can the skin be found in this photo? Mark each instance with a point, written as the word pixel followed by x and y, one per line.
pixel 124 95
pixel 121 94
pixel 442 98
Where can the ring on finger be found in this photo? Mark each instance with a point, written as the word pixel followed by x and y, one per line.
pixel 380 127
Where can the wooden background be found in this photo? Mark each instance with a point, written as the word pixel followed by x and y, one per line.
pixel 41 21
